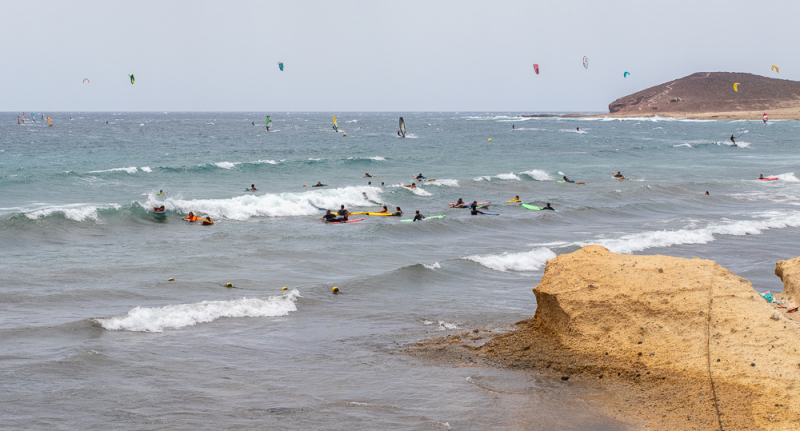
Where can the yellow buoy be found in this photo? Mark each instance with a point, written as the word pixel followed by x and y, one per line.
pixel 170 279
pixel 228 285
pixel 284 288
pixel 490 139
pixel 345 134
pixel 335 289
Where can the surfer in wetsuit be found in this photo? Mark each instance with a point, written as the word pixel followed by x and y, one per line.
pixel 548 207
pixel 418 216
pixel 474 208
pixel 319 184
pixel 760 176
pixel 343 213
pixel 567 180
pixel 329 217
pixel 420 177
pixel 619 176
pixel 459 203
pixel 397 212
pixel 577 129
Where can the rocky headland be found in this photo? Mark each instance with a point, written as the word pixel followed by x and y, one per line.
pixel 678 343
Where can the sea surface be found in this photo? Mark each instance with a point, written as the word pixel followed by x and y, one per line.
pixel 94 336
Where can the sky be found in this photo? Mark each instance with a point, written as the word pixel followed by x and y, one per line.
pixel 360 56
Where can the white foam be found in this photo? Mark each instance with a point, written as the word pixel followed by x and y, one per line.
pixel 225 165
pixel 442 182
pixel 419 191
pixel 433 266
pixel 376 158
pixel 77 212
pixel 270 162
pixel 130 170
pixel 182 315
pixel 443 326
pixel 146 169
pixel 508 176
pixel 538 175
pixel 644 240
pixel 271 204
pixel 788 177
pixel 683 145
pixel 525 261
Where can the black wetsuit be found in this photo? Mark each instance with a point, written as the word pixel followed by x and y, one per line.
pixel 475 211
pixel 549 208
pixel 319 185
pixel 330 217
pixel 419 217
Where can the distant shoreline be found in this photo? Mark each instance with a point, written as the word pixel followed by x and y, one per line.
pixel 775 114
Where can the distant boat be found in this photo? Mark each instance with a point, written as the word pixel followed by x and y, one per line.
pixel 402 128
pixel 335 124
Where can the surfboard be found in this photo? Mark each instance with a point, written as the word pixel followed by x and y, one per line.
pixel 426 218
pixel 468 203
pixel 489 214
pixel 348 221
pixel 531 207
pixel 768 179
pixel 513 200
pixel 380 214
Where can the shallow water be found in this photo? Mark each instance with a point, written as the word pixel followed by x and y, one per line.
pixel 89 322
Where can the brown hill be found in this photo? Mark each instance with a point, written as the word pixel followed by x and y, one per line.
pixel 712 92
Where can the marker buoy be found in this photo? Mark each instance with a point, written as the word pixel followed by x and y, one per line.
pixel 344 134
pixel 228 285
pixel 335 290
pixel 284 288
pixel 490 139
pixel 170 279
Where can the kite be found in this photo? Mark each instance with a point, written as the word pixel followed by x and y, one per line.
pixel 132 78
pixel 280 66
pixel 775 68
pixel 585 62
pixel 85 80
pixel 736 87
pixel 625 75
pixel 536 68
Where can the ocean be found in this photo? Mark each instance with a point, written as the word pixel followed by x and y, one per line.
pixel 93 335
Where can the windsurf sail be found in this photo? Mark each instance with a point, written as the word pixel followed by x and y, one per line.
pixel 585 62
pixel 402 127
pixel 133 79
pixel 765 118
pixel 49 121
pixel 536 68
pixel 280 66
pixel 33 117
pixel 23 117
pixel 269 122
pixel 335 124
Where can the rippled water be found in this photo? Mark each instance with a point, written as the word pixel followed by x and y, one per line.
pixel 90 323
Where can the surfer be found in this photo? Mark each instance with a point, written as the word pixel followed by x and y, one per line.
pixel 418 216
pixel 733 139
pixel 618 175
pixel 706 192
pixel 567 180
pixel 548 207
pixel 252 188
pixel 191 217
pixel 367 175
pixel 319 184
pixel 516 198
pixel 420 176
pixel 474 208
pixel 254 123
pixel 382 184
pixel 208 221
pixel 159 209
pixel 412 186
pixel 161 193
pixel 577 129
pixel 329 217
pixel 343 213
pixel 459 203
pixel 384 210
pixel 397 212
pixel 760 176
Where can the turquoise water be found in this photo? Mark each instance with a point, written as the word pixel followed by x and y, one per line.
pixel 90 323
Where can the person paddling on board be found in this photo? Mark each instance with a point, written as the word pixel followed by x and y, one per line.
pixel 459 203
pixel 760 176
pixel 418 216
pixel 474 208
pixel 548 207
pixel 191 217
pixel 319 184
pixel 397 212
pixel 161 193
pixel 343 213
pixel 208 221
pixel 329 217
pixel 567 180
pixel 412 186
pixel 577 129
pixel 252 188
pixel 159 209
pixel 384 210
pixel 619 176
pixel 516 198
pixel 419 177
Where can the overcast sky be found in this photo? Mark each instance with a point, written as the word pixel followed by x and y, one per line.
pixel 374 55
